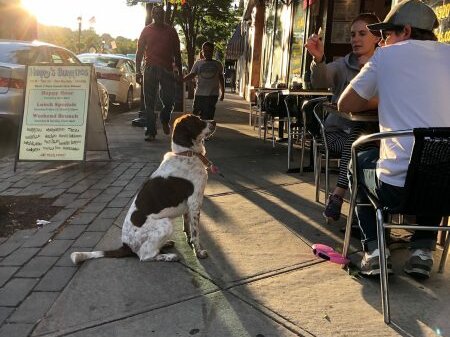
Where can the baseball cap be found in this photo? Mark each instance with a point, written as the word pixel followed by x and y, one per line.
pixel 408 12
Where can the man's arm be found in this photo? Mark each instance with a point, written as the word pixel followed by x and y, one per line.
pixel 189 77
pixel 221 83
pixel 139 55
pixel 350 101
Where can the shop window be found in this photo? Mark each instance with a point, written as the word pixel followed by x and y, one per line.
pixel 268 43
pixel 276 75
pixel 442 10
pixel 298 36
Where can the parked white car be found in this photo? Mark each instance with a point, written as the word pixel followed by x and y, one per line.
pixel 118 75
pixel 14 56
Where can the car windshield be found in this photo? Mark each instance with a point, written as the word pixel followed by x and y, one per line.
pixel 100 61
pixel 18 54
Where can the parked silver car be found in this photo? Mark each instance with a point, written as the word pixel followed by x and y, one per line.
pixel 14 55
pixel 118 74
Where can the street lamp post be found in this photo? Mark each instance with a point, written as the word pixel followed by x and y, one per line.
pixel 79 33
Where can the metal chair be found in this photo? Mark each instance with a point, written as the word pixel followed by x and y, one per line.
pixel 275 111
pixel 311 130
pixel 427 188
pixel 294 125
pixel 322 153
pixel 256 112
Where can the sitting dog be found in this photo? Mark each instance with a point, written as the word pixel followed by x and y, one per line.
pixel 176 188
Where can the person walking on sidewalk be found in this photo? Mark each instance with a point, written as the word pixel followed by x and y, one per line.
pixel 159 44
pixel 209 73
pixel 410 76
pixel 341 133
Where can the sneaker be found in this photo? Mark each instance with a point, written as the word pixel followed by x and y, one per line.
pixel 149 138
pixel 333 209
pixel 166 128
pixel 419 264
pixel 370 264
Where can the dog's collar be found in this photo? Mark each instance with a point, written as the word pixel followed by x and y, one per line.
pixel 208 164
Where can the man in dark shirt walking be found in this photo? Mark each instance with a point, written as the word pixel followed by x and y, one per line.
pixel 161 46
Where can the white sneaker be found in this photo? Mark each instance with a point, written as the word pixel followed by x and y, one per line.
pixel 420 263
pixel 370 263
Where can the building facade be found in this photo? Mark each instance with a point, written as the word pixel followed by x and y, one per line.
pixel 273 33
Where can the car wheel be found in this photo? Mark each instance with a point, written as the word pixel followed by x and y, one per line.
pixel 104 100
pixel 128 105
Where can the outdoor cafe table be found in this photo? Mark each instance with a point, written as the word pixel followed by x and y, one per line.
pixel 259 91
pixel 362 116
pixel 285 92
pixel 305 93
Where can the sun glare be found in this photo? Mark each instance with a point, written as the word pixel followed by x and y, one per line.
pixel 102 15
pixel 45 11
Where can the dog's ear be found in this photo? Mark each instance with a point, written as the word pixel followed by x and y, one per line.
pixel 181 132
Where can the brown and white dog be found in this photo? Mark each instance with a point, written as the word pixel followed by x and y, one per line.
pixel 176 188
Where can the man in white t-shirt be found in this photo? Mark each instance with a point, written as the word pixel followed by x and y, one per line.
pixel 410 76
pixel 210 80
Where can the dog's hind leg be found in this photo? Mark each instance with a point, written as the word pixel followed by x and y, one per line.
pixel 149 252
pixel 157 235
pixel 168 244
pixel 169 257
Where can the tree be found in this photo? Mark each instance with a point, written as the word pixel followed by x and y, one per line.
pixel 125 46
pixel 202 20
pixel 199 20
pixel 90 40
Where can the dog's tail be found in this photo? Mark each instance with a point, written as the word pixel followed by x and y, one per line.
pixel 79 257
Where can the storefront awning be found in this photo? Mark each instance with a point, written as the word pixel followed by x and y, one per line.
pixel 235 45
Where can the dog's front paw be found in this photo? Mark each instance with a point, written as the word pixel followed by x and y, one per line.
pixel 201 253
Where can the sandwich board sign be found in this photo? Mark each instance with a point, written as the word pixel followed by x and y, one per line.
pixel 56 122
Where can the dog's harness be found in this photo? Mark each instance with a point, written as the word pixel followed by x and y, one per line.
pixel 208 164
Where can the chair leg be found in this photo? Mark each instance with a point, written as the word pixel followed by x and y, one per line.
pixel 273 131
pixel 318 173
pixel 265 127
pixel 383 267
pixel 327 181
pixel 302 154
pixel 261 122
pixel 348 226
pixel 446 247
pixel 316 164
pixel 289 145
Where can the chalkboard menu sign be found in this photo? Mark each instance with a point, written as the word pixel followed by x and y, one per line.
pixel 55 113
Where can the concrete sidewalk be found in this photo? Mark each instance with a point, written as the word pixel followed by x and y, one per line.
pixel 258 223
